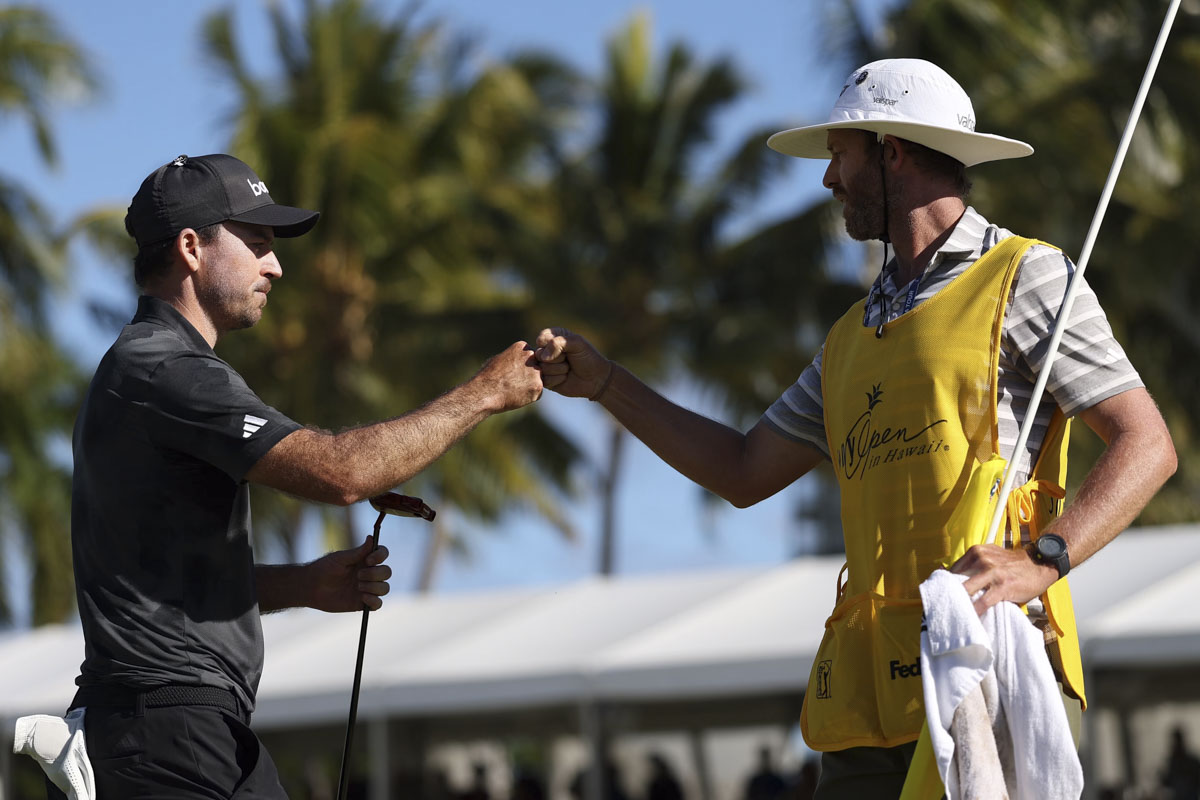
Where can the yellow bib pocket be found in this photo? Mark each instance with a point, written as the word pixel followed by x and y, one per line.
pixel 865 685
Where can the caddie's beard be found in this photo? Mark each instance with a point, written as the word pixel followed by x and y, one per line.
pixel 863 207
pixel 863 212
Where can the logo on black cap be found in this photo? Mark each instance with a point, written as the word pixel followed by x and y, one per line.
pixel 194 192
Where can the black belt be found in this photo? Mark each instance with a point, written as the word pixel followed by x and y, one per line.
pixel 126 698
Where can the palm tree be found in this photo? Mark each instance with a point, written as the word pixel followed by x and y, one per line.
pixel 634 257
pixel 1063 76
pixel 395 296
pixel 39 387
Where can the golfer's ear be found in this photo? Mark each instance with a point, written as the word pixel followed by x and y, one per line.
pixel 187 249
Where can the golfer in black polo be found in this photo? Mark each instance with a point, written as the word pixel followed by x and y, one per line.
pixel 166 441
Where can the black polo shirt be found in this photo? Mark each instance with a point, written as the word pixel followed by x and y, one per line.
pixel 160 513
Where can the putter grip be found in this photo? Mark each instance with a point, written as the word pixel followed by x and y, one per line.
pixel 402 506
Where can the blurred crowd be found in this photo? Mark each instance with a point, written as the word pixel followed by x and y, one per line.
pixel 1180 778
pixel 764 781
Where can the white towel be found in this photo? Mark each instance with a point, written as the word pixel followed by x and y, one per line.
pixel 57 744
pixel 958 650
pixel 1045 760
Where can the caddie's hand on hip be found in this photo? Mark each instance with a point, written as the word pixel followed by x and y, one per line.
pixel 1002 575
pixel 570 365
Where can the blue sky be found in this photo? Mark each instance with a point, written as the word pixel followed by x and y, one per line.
pixel 161 98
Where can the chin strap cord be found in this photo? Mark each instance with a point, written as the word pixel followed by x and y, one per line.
pixel 883 237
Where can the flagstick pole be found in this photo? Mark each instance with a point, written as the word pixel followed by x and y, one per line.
pixel 1064 313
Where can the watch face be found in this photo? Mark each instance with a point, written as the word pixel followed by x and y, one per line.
pixel 1051 546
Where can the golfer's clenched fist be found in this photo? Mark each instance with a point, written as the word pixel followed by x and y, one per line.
pixel 570 365
pixel 512 377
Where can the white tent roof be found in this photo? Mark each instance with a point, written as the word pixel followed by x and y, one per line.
pixel 1130 567
pixel 696 634
pixel 1159 625
pixel 758 636
pixel 38 668
pixel 470 652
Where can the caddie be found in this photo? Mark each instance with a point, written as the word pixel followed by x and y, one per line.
pixel 925 379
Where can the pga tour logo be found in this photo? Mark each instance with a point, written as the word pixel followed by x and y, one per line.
pixel 258 188
pixel 824 671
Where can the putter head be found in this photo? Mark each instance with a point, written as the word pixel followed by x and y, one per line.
pixel 402 506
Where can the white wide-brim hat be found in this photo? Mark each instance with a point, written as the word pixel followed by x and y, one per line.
pixel 908 98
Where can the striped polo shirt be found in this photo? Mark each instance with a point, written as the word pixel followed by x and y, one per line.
pixel 1091 366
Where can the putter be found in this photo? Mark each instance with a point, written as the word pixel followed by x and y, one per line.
pixel 401 506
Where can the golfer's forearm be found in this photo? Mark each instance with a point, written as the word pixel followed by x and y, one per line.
pixel 347 467
pixel 281 586
pixel 708 452
pixel 387 454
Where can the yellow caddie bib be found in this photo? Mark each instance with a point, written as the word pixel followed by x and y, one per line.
pixel 909 418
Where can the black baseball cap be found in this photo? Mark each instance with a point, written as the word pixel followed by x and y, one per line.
pixel 196 191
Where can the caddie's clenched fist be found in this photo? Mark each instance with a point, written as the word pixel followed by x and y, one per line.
pixel 570 365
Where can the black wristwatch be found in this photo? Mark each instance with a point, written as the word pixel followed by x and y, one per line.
pixel 1051 549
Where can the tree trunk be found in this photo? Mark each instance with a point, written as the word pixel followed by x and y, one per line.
pixel 348 523
pixel 434 544
pixel 291 533
pixel 608 500
pixel 53 585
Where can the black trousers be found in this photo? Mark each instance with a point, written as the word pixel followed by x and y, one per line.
pixel 176 753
